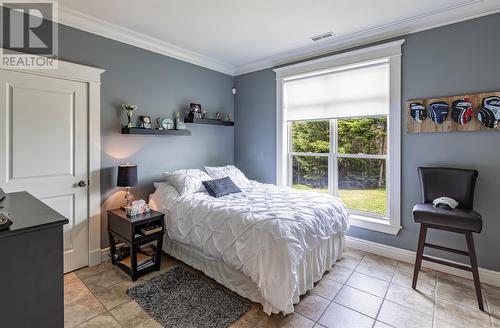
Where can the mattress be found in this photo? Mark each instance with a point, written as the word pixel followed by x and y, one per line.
pixel 266 233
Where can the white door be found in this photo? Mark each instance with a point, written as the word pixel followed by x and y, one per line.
pixel 43 150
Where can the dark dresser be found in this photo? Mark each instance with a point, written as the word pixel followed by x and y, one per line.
pixel 31 264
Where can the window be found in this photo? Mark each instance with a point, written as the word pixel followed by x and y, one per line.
pixel 339 132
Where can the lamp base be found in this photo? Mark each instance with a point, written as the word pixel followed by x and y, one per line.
pixel 128 198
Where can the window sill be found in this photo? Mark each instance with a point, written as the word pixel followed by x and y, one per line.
pixel 371 223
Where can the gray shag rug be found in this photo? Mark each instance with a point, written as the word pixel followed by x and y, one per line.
pixel 179 298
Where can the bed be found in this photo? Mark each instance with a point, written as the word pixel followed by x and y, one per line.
pixel 266 243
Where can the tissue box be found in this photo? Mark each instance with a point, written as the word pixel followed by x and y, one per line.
pixel 136 210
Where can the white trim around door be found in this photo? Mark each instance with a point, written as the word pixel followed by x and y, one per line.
pixel 92 77
pixel 94 173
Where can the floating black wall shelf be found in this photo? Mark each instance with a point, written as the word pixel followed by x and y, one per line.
pixel 126 130
pixel 207 121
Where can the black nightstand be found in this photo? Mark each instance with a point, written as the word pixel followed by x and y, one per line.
pixel 130 231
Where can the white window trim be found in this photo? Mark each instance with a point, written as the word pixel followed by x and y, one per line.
pixel 392 51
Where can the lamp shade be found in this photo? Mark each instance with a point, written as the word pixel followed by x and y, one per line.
pixel 127 175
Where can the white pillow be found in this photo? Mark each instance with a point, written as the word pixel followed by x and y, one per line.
pixel 187 181
pixel 231 171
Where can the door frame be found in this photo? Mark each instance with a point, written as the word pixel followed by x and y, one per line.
pixel 92 77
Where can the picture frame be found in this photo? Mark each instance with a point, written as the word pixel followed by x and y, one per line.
pixel 194 108
pixel 195 111
pixel 146 122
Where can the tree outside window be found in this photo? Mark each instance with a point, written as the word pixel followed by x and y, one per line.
pixel 359 155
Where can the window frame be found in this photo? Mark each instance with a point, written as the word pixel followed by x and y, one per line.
pixel 333 157
pixel 390 51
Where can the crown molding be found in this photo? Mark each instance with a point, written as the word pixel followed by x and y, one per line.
pixel 97 26
pixel 449 15
pixel 466 10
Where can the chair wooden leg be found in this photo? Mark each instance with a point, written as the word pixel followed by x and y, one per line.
pixel 475 272
pixel 420 252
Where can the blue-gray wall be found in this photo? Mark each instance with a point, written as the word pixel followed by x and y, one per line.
pixel 255 125
pixel 452 60
pixel 159 85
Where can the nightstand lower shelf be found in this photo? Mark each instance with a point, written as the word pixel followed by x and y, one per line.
pixel 150 266
pixel 133 270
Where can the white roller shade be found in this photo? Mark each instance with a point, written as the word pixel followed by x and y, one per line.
pixel 354 92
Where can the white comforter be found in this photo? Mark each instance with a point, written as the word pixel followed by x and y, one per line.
pixel 263 232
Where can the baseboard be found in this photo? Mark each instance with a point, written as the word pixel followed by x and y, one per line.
pixel 489 277
pixel 95 257
pixel 105 254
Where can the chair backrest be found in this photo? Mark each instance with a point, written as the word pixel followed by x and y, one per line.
pixel 458 184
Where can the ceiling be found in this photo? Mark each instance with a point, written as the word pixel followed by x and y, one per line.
pixel 238 36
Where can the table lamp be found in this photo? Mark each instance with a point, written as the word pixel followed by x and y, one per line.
pixel 127 177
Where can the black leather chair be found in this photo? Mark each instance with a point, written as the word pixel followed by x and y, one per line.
pixel 458 184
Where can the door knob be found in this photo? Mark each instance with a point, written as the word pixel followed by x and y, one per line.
pixel 82 184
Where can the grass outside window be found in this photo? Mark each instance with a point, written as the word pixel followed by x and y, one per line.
pixel 369 200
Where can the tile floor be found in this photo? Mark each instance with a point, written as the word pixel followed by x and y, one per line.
pixel 362 290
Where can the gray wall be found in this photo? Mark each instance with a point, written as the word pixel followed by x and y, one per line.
pixel 255 125
pixel 455 59
pixel 159 85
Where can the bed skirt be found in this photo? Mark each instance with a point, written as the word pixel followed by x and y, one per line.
pixel 311 269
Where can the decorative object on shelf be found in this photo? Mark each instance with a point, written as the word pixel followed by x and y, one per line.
pixel 127 177
pixel 158 124
pixel 176 119
pixel 218 116
pixel 204 114
pixel 461 111
pixel 195 110
pixel 418 112
pixel 229 119
pixel 137 207
pixel 489 114
pixel 130 110
pixel 469 112
pixel 178 124
pixel 146 122
pixel 438 111
pixel 167 124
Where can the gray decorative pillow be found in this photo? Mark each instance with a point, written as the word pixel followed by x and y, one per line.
pixel 221 187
